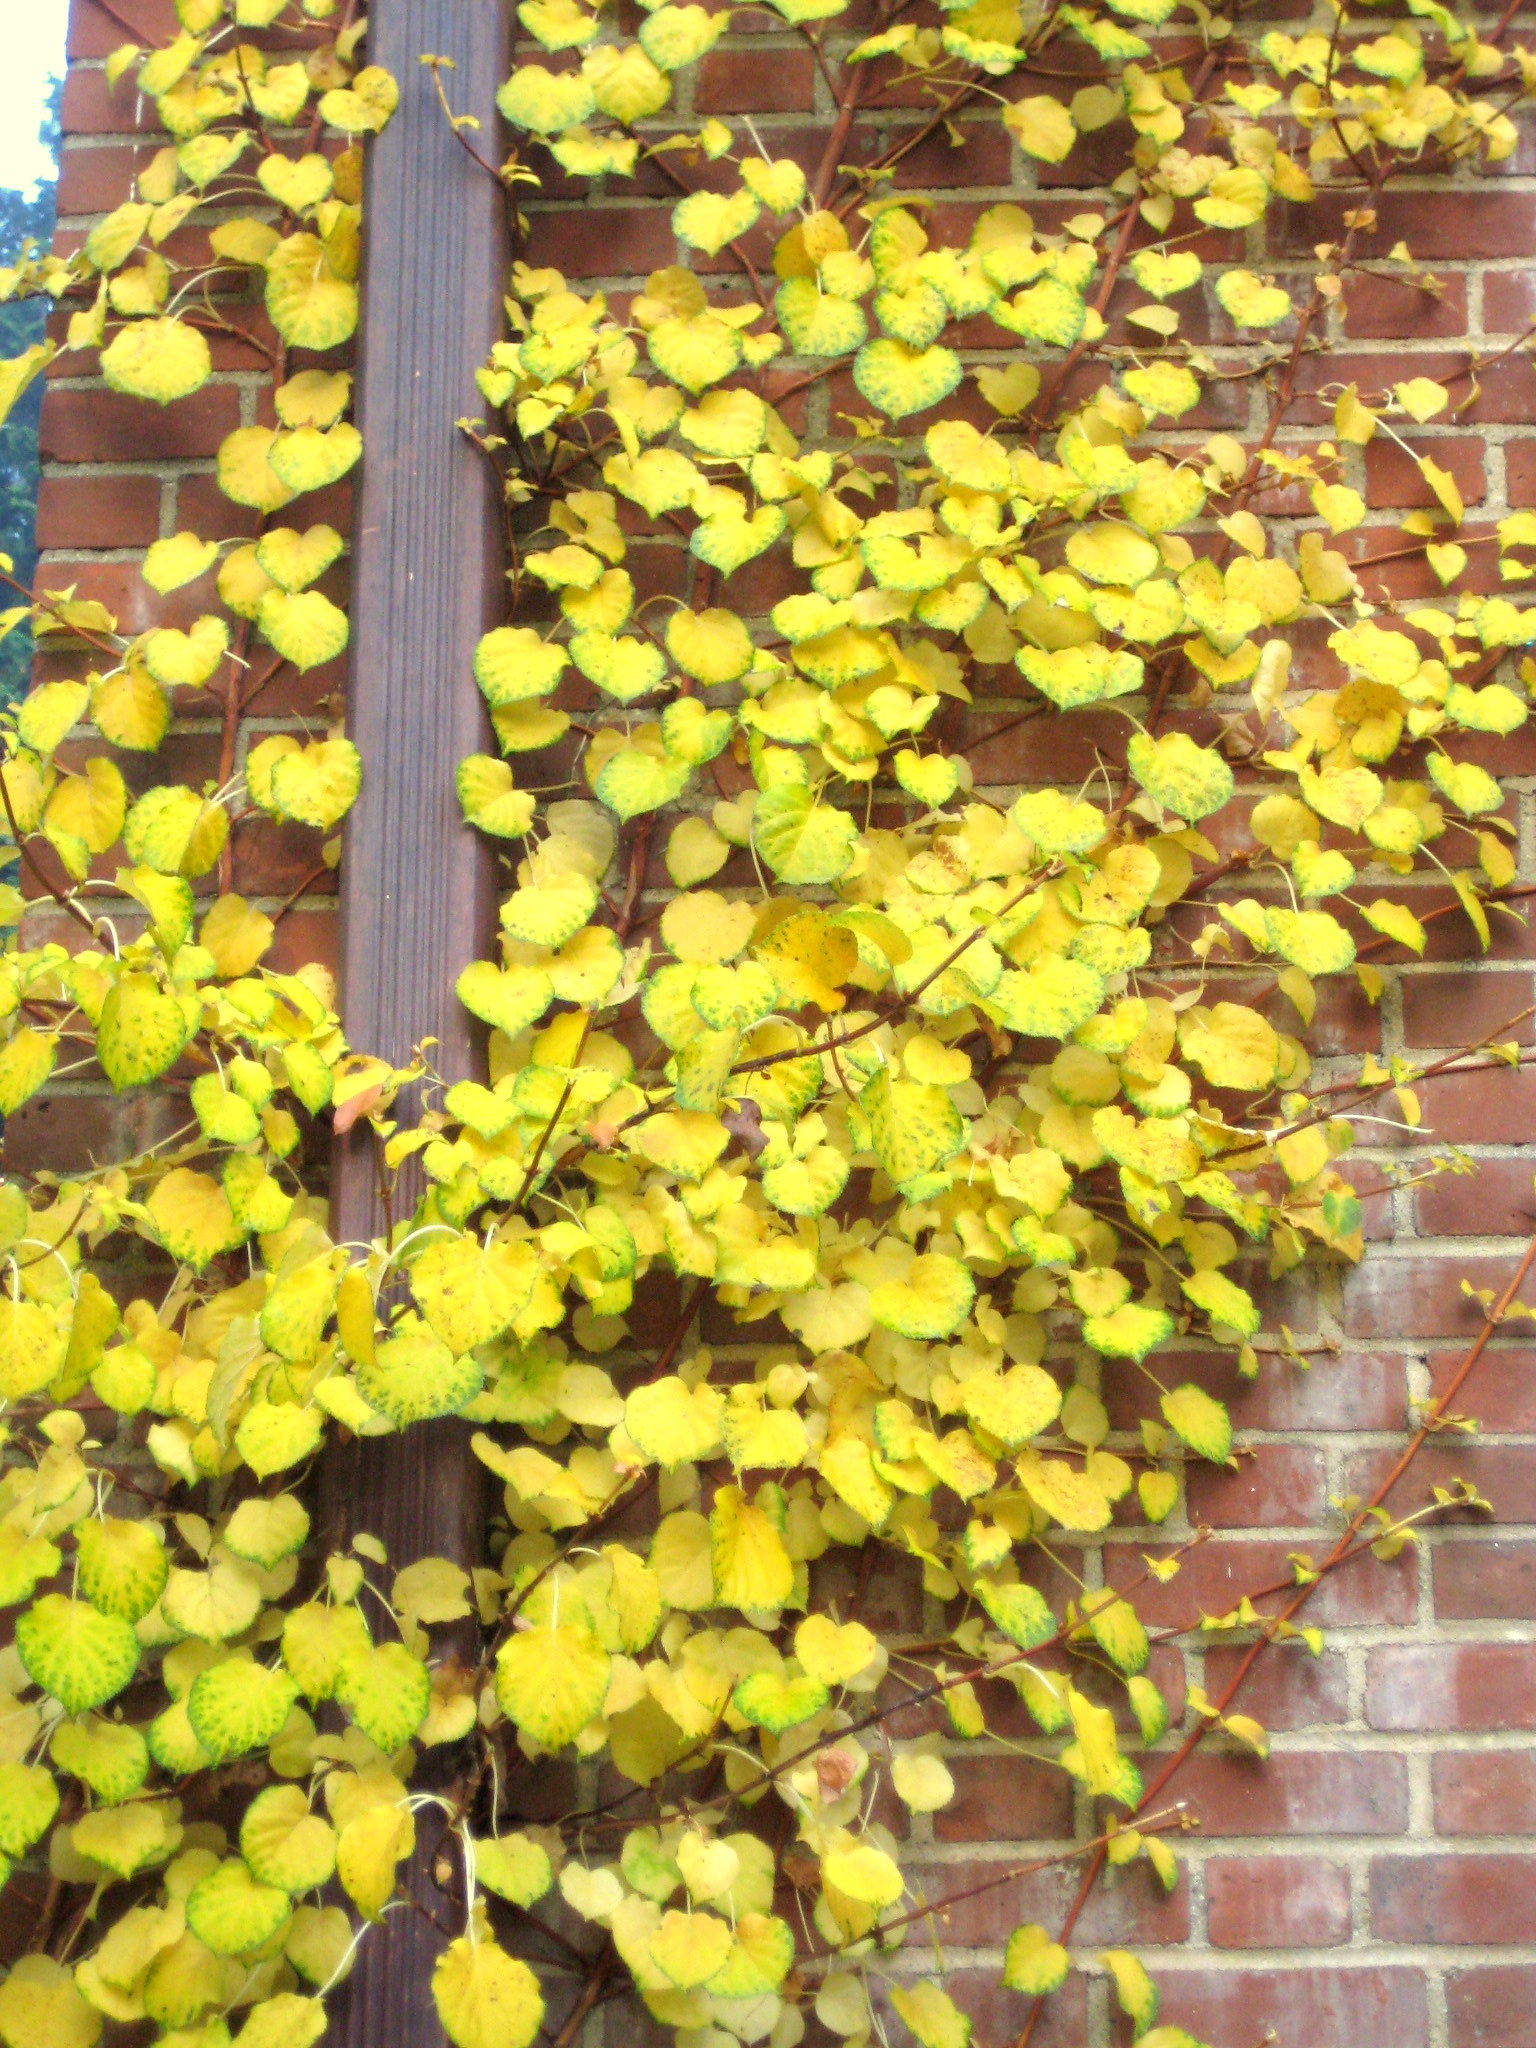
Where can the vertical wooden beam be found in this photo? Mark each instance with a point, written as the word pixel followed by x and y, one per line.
pixel 417 892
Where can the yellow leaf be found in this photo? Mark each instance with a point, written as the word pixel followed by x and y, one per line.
pixel 752 1568
pixel 552 1681
pixel 864 1873
pixel 1042 127
pixel 484 1997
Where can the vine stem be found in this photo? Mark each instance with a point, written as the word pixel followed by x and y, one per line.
pixel 576 2017
pixel 47 604
pixel 1342 1550
pixel 968 1674
pixel 1158 1824
pixel 65 902
pixel 229 738
pixel 837 137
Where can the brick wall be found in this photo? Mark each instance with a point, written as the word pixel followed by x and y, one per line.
pixel 1374 1884
pixel 117 474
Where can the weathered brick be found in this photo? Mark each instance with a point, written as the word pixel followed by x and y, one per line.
pixel 1383 307
pixel 97 511
pixel 1036 1798
pixel 1305 2006
pixel 1325 1792
pixel 1276 1902
pixel 1274 1485
pixel 1393 476
pixel 1492 1201
pixel 1485 1792
pixel 1485 1580
pixel 1288 1687
pixel 1214 1578
pixel 1501 1390
pixel 1419 1297
pixel 1490 2006
pixel 103 426
pixel 1130 1906
pixel 1451 1685
pixel 768 81
pixel 1454 1899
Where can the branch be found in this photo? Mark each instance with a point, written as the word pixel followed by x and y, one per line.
pixel 1341 1552
pixel 66 903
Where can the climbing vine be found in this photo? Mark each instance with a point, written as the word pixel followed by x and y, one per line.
pixel 936 1095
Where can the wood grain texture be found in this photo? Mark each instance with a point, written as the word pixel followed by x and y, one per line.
pixel 418 887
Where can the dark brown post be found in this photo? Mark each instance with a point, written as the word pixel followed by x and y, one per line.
pixel 417 899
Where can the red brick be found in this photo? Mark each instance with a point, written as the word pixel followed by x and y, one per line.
pixel 58 1133
pixel 1008 1717
pixel 1494 1200
pixel 1296 1792
pixel 603 241
pixel 893 1602
pixel 94 179
pixel 104 426
pixel 1276 1902
pixel 1435 224
pixel 91 107
pixel 1287 1688
pixel 1037 1799
pixel 1501 1390
pixel 1520 472
pixel 1485 1792
pixel 1345 1020
pixel 934 163
pixel 1343 1390
pixel 1130 1906
pixel 1505 391
pixel 1509 301
pixel 1459 1009
pixel 1458 1685
pixel 1490 2007
pixel 1485 1581
pixel 1381 307
pixel 271 859
pixel 1418 1297
pixel 120 587
pixel 997 2014
pixel 303 938
pixel 1371 2005
pixel 1485 1107
pixel 97 511
pixel 1504 1473
pixel 202 508
pixel 93 32
pixel 771 81
pixel 1214 1578
pixel 1394 571
pixel 1454 1899
pixel 1275 1485
pixel 1043 749
pixel 1393 476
